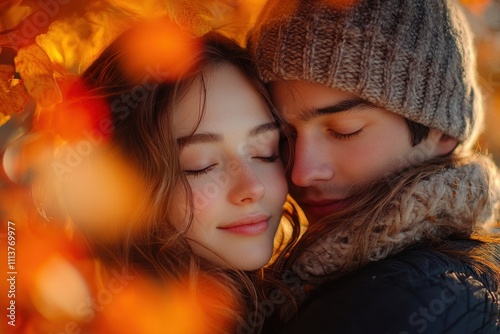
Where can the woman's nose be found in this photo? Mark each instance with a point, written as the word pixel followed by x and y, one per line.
pixel 247 187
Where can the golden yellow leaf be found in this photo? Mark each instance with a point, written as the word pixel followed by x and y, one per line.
pixel 37 72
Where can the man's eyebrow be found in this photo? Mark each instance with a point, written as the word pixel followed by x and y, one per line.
pixel 343 106
pixel 205 137
pixel 210 137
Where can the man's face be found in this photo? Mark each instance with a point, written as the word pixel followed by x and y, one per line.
pixel 342 143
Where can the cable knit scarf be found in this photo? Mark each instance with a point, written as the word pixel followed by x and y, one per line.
pixel 458 200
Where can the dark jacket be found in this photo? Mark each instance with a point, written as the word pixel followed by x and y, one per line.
pixel 416 291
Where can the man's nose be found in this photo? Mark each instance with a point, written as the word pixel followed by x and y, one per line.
pixel 312 162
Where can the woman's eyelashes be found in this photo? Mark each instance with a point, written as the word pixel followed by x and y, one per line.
pixel 269 159
pixel 201 171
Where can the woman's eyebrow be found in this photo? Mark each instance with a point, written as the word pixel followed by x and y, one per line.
pixel 211 137
pixel 205 137
pixel 271 126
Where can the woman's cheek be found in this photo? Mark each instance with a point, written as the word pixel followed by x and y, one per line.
pixel 276 182
pixel 202 199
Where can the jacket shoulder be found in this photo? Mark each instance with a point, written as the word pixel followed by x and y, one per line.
pixel 417 291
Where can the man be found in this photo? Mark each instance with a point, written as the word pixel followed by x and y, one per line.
pixel 382 100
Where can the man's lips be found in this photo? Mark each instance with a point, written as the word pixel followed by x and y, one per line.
pixel 248 225
pixel 321 208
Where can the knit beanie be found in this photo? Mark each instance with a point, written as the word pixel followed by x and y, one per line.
pixel 412 57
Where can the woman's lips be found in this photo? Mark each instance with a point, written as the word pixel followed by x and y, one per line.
pixel 249 225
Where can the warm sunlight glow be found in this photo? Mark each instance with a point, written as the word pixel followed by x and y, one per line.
pixel 26 156
pixel 86 119
pixel 59 290
pixel 158 50
pixel 101 194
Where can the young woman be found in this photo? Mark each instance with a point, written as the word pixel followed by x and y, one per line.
pixel 201 141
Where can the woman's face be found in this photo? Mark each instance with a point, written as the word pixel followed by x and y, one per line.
pixel 232 165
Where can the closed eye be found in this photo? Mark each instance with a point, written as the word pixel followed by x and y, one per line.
pixel 270 159
pixel 344 136
pixel 199 172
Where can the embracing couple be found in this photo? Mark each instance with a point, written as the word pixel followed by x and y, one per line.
pixel 366 113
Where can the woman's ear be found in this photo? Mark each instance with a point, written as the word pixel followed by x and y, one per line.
pixel 444 143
